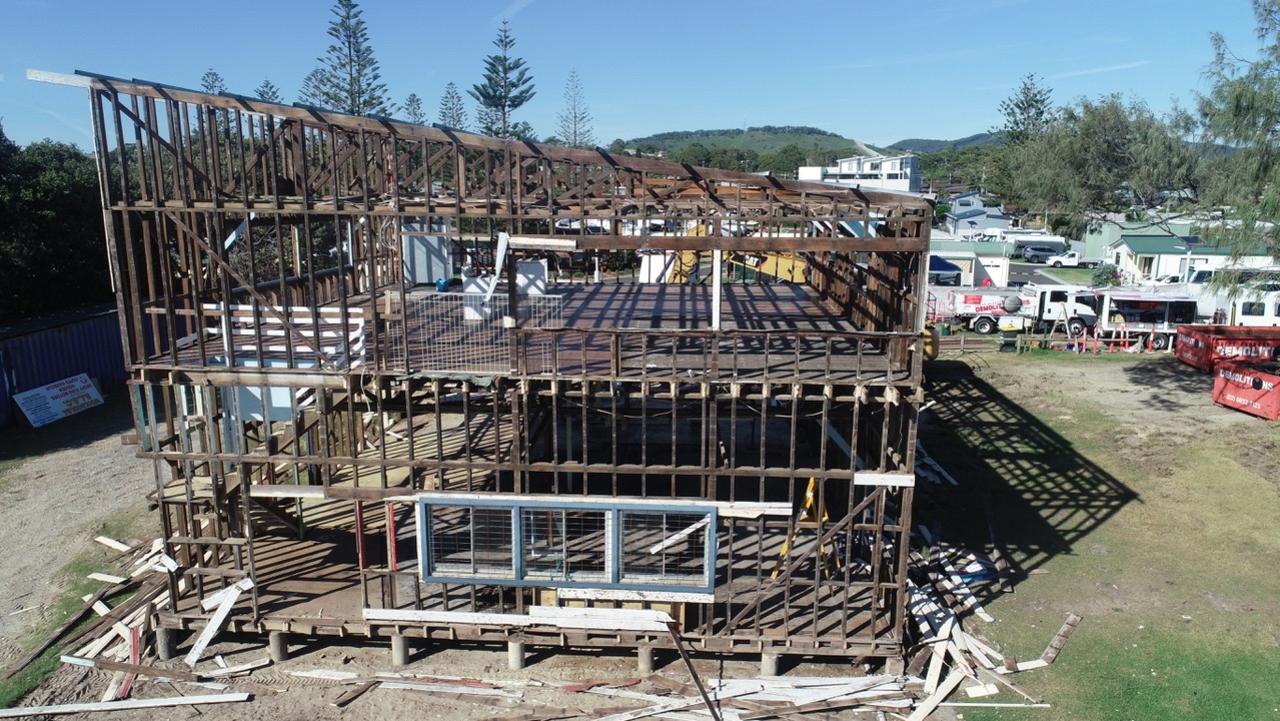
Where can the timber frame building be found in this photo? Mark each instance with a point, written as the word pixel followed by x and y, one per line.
pixel 384 458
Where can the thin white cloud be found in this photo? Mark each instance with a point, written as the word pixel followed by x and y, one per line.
pixel 927 58
pixel 1100 70
pixel 59 118
pixel 511 10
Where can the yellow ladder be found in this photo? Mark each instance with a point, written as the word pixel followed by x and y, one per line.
pixel 809 512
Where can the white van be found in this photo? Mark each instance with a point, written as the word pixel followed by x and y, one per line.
pixel 1258 309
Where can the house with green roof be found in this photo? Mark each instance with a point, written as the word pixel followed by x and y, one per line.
pixel 1099 236
pixel 1147 257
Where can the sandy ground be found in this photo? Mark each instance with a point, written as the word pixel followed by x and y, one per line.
pixel 75 474
pixel 279 695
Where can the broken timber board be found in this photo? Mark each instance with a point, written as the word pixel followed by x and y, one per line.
pixel 352 694
pixel 928 705
pixel 148 671
pixel 1060 638
pixel 961 590
pixel 211 629
pixel 138 703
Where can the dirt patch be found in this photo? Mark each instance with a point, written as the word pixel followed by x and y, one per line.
pixel 279 695
pixel 57 486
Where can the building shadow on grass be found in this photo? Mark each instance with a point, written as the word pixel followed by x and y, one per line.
pixel 1170 384
pixel 1023 488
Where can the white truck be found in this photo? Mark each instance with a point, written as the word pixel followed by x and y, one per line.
pixel 1071 259
pixel 1033 306
pixel 980 308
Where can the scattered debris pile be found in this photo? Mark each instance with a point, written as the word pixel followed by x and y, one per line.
pixel 119 639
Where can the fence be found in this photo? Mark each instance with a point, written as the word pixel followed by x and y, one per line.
pixel 31 357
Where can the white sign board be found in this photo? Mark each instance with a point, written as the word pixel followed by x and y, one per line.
pixel 57 400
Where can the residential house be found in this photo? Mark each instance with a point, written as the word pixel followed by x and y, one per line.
pixel 1099 236
pixel 969 215
pixel 978 262
pixel 885 172
pixel 1147 257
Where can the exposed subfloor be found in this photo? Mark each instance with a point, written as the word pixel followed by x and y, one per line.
pixel 312 586
pixel 570 332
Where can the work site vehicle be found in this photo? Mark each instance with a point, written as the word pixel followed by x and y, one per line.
pixel 1032 307
pixel 980 309
pixel 1048 307
pixel 1071 259
pixel 1150 320
pixel 1255 307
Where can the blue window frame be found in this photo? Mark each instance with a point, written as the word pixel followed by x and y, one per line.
pixel 521 542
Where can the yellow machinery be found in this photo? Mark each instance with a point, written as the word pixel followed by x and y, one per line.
pixel 810 512
pixel 932 341
pixel 783 266
pixel 684 266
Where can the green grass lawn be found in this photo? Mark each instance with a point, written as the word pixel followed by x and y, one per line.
pixel 75 585
pixel 1164 540
pixel 1076 276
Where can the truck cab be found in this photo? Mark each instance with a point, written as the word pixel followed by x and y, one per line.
pixel 1050 305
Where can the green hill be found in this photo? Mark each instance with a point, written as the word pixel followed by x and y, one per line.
pixel 762 140
pixel 926 145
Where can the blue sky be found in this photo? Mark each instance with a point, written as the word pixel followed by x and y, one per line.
pixel 874 71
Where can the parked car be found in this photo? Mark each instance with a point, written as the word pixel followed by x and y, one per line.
pixel 1071 259
pixel 1038 253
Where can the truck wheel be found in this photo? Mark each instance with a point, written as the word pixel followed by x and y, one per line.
pixel 1075 327
pixel 985 326
pixel 1159 341
pixel 1057 264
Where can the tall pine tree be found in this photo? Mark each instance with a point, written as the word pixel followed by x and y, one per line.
pixel 452 112
pixel 349 79
pixel 211 82
pixel 269 92
pixel 1242 111
pixel 506 87
pixel 413 110
pixel 575 119
pixel 1027 112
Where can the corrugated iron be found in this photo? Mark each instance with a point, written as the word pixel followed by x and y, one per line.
pixel 89 344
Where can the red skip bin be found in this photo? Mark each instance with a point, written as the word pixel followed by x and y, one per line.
pixel 1252 388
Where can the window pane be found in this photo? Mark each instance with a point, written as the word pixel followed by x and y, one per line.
pixel 664 547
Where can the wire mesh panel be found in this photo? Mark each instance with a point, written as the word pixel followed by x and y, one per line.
pixel 466 333
pixel 565 544
pixel 471 541
pixel 668 548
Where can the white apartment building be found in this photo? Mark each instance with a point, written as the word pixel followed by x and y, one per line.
pixel 887 172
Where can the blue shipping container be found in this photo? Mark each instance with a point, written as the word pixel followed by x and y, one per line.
pixel 38 354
